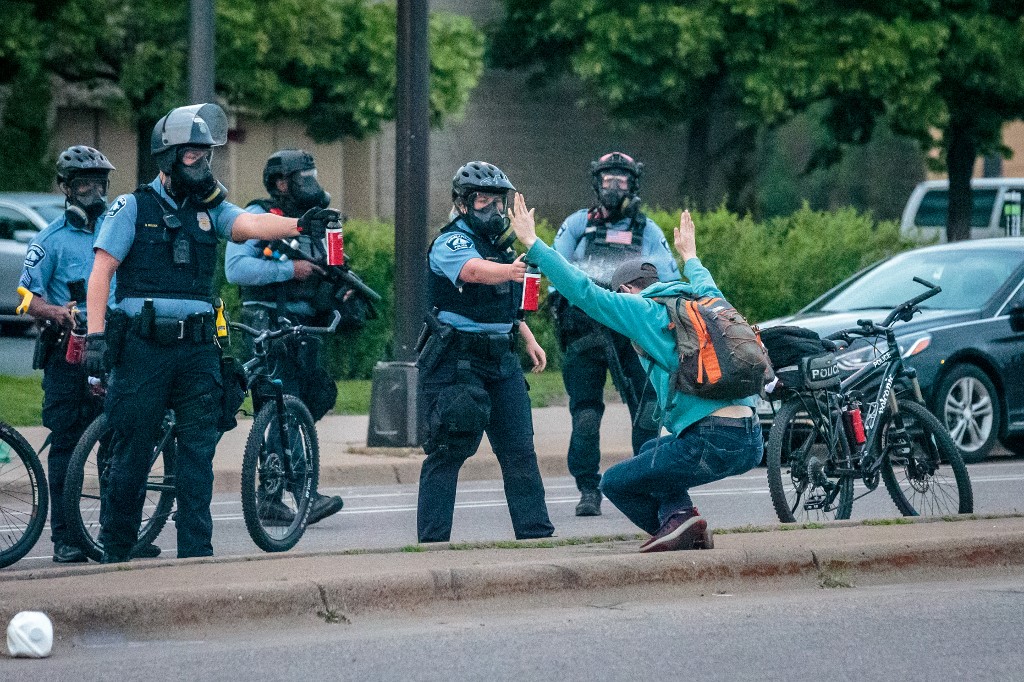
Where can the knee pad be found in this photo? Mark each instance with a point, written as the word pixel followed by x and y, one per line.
pixel 586 422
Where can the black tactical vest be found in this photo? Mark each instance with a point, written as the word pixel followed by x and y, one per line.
pixel 601 257
pixel 484 303
pixel 168 262
pixel 281 292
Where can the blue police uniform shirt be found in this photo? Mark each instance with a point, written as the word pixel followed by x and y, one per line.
pixel 448 255
pixel 245 264
pixel 570 244
pixel 118 234
pixel 58 255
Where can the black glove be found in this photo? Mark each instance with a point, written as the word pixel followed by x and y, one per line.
pixel 315 222
pixel 94 361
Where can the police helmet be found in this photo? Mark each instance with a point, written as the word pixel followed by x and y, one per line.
pixel 79 158
pixel 479 176
pixel 616 161
pixel 203 125
pixel 283 163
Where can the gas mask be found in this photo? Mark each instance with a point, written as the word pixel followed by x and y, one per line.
pixel 192 176
pixel 489 221
pixel 305 192
pixel 86 200
pixel 617 197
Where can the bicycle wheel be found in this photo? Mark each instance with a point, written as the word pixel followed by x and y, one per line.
pixel 23 496
pixel 914 473
pixel 799 460
pixel 87 472
pixel 276 488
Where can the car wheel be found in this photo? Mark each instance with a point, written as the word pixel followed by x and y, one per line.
pixel 968 406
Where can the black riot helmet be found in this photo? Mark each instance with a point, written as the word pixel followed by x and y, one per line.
pixel 480 177
pixel 82 173
pixel 188 133
pixel 616 200
pixel 304 190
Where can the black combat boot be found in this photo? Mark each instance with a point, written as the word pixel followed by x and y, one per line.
pixel 590 503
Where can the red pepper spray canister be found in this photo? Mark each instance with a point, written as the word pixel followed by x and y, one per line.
pixel 531 289
pixel 76 340
pixel 854 425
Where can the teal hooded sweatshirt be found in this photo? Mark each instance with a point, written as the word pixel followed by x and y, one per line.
pixel 644 322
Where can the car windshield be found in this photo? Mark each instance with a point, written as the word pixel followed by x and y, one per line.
pixel 968 279
pixel 49 212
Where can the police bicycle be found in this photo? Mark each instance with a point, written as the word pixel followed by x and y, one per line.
pixel 820 442
pixel 281 462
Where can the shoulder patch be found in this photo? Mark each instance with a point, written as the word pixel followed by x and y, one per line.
pixel 117 206
pixel 35 254
pixel 458 242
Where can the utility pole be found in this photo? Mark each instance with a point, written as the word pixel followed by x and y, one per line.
pixel 202 62
pixel 393 397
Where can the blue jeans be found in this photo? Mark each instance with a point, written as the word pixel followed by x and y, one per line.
pixel 655 484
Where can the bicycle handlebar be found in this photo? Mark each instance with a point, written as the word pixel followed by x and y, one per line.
pixel 262 335
pixel 904 311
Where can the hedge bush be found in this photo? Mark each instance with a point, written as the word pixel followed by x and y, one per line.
pixel 766 269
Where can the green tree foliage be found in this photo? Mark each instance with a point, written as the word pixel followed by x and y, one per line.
pixel 952 66
pixel 327 63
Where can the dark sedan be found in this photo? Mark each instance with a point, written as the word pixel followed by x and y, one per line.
pixel 968 343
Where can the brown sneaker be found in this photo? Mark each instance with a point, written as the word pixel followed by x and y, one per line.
pixel 683 530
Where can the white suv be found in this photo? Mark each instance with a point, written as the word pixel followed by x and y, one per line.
pixel 22 215
pixel 925 214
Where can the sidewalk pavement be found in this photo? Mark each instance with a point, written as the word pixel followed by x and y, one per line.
pixel 339 587
pixel 346 461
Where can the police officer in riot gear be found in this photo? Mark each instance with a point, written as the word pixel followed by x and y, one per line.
pixel 470 379
pixel 161 240
pixel 57 266
pixel 597 241
pixel 273 288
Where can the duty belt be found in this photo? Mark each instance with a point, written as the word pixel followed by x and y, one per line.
pixel 196 328
pixel 484 345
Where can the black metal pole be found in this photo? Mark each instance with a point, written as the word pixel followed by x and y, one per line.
pixel 202 63
pixel 412 136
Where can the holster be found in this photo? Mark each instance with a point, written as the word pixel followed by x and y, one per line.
pixel 50 338
pixel 439 337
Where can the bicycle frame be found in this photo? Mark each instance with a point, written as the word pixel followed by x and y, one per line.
pixel 887 368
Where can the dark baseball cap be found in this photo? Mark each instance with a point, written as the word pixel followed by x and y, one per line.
pixel 631 271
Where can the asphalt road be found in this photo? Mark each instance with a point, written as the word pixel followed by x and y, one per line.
pixel 385 516
pixel 955 629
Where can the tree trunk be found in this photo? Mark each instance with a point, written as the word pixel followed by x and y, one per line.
pixel 960 155
pixel 696 181
pixel 147 169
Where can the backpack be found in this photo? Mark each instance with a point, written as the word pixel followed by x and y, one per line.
pixel 720 355
pixel 787 345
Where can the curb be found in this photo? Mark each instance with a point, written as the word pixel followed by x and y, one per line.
pixel 338 586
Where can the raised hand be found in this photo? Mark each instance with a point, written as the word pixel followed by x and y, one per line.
pixel 684 241
pixel 522 221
